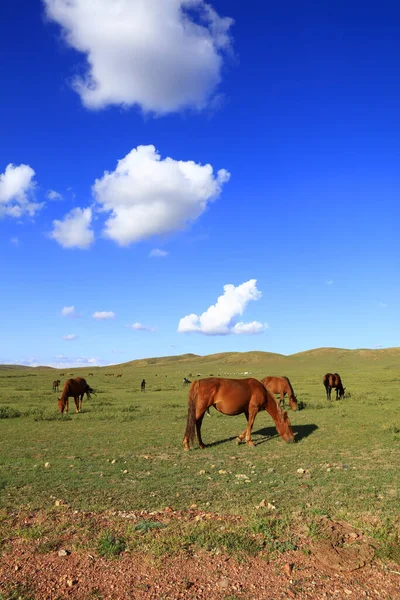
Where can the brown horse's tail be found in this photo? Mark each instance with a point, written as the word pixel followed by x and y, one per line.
pixel 191 417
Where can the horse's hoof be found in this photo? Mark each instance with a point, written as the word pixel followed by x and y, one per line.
pixel 202 446
pixel 238 440
pixel 251 444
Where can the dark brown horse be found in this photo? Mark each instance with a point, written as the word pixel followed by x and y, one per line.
pixel 143 386
pixel 281 386
pixel 233 397
pixel 332 380
pixel 75 388
pixel 56 383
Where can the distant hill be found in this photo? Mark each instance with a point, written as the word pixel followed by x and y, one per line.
pixel 321 356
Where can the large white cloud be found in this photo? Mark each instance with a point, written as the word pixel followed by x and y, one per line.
pixel 16 192
pixel 163 55
pixel 148 196
pixel 222 317
pixel 74 231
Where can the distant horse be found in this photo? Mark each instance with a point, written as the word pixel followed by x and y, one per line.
pixel 56 383
pixel 119 375
pixel 281 386
pixel 76 388
pixel 186 381
pixel 90 374
pixel 143 386
pixel 332 380
pixel 233 397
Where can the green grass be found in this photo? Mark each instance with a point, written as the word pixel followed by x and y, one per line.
pixel 125 451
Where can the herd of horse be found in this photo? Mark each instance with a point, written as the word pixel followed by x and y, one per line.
pixel 228 396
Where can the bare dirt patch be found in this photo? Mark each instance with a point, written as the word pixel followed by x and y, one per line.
pixel 79 572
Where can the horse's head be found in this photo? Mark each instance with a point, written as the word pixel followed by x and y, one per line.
pixel 284 428
pixel 60 405
pixel 341 392
pixel 293 402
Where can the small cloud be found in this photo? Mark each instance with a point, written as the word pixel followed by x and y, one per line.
pixel 15 241
pixel 157 253
pixel 329 282
pixel 140 327
pixel 379 346
pixel 17 187
pixel 222 317
pixel 74 231
pixel 383 305
pixel 68 311
pixel 53 195
pixel 103 315
pixel 70 337
pixel 61 357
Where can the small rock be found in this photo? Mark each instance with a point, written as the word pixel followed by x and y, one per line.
pixel 114 460
pixel 193 506
pixel 125 471
pixel 270 470
pixel 17 568
pixel 63 552
pixel 71 582
pixel 300 471
pixel 329 469
pixel 222 472
pixel 288 568
pixel 47 465
pixel 58 503
pixel 271 506
pixel 201 472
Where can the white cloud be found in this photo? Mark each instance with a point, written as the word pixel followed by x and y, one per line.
pixel 103 315
pixel 16 192
pixel 53 195
pixel 149 196
pixel 15 241
pixel 162 55
pixel 222 317
pixel 140 327
pixel 383 305
pixel 68 311
pixel 329 282
pixel 70 337
pixel 74 231
pixel 157 253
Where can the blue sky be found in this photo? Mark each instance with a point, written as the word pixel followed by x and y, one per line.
pixel 206 177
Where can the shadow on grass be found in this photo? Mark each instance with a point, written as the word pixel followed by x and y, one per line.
pixel 300 432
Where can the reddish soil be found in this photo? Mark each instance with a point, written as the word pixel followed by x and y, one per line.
pixel 326 573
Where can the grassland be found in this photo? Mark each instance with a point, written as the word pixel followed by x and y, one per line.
pixel 124 451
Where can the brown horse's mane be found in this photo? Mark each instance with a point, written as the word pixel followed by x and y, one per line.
pixel 289 384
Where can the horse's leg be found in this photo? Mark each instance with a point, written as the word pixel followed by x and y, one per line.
pixel 282 400
pixel 66 406
pixel 80 402
pixel 198 430
pixel 252 415
pixel 76 398
pixel 241 437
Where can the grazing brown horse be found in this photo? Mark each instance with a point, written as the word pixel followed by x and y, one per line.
pixel 119 375
pixel 332 380
pixel 56 383
pixel 281 386
pixel 143 386
pixel 76 388
pixel 233 397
